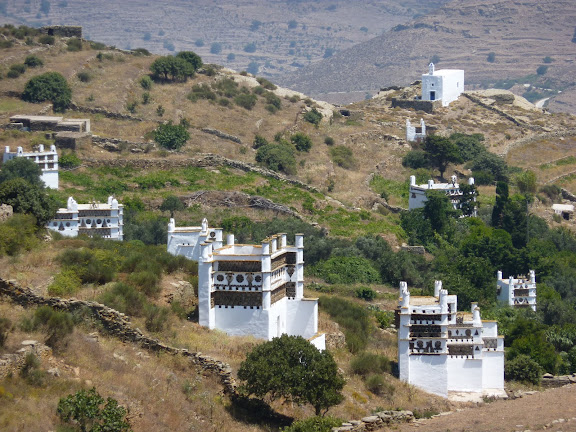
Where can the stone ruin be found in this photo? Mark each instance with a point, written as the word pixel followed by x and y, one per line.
pixel 62 31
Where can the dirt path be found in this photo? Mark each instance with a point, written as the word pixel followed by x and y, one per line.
pixel 550 410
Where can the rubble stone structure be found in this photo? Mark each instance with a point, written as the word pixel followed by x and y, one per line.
pixel 446 352
pixel 94 219
pixel 34 123
pixel 62 31
pixel 519 292
pixel 249 289
pixel 47 160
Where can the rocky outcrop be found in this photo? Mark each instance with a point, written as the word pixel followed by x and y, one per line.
pixel 550 381
pixel 6 212
pixel 376 422
pixel 11 364
pixel 118 145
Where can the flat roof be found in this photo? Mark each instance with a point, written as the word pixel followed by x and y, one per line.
pixel 423 301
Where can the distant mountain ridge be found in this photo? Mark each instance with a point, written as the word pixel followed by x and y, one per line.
pixel 462 34
pixel 267 37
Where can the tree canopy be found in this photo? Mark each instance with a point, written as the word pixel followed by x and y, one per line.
pixel 27 198
pixel 291 367
pixel 170 136
pixel 50 86
pixel 441 151
pixel 192 58
pixel 170 68
pixel 21 167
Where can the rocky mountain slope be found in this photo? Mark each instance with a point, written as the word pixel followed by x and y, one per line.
pixel 268 37
pixel 492 40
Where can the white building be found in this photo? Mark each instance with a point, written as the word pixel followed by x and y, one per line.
pixel 417 193
pixel 94 219
pixel 46 160
pixel 444 84
pixel 519 292
pixel 249 289
pixel 445 352
pixel 415 133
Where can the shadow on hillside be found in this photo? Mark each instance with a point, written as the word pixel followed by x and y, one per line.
pixel 255 411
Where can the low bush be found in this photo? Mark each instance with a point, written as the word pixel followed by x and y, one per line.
pixel 247 101
pixel 201 91
pixel 5 329
pixel 277 157
pixel 33 61
pixel 156 318
pixel 346 270
pixel 69 160
pixel 56 324
pixel 343 157
pixel 147 281
pixel 416 159
pixel 146 82
pixel 354 319
pixel 366 363
pixel 84 76
pixel 313 116
pixel 523 368
pixel 377 384
pixel 329 141
pixel 31 372
pixel 46 40
pixel 65 283
pixel 74 44
pixel 313 424
pixel 365 293
pixel 124 298
pixel 301 141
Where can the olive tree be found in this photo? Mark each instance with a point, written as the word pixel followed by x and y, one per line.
pixel 290 367
pixel 171 136
pixel 50 86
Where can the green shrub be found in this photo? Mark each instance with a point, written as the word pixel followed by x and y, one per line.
pixel 91 266
pixel 384 318
pixel 247 101
pixel 84 76
pixel 313 116
pixel 522 368
pixel 329 141
pixel 416 159
pixel 226 87
pixel 301 141
pixel 124 298
pixel 156 318
pixel 346 270
pixel 74 44
pixel 56 324
pixel 313 424
pixel 97 46
pixel 12 73
pixel 266 84
pixel 377 384
pixel 201 91
pixel 541 70
pixel 272 99
pixel 146 82
pixel 18 234
pixel 31 371
pixel 33 61
pixel 354 319
pixel 365 364
pixel 365 293
pixel 343 157
pixel 171 137
pixel 65 283
pixel 147 281
pixel 46 40
pixel 50 86
pixel 18 68
pixel 277 157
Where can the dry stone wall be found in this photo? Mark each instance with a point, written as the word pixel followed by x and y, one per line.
pixel 118 325
pixel 376 421
pixel 11 364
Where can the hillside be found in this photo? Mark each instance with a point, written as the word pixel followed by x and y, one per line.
pixel 286 35
pixel 460 35
pixel 335 197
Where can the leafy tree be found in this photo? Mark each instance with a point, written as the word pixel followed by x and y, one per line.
pixel 172 203
pixel 441 151
pixel 502 197
pixel 170 68
pixel 291 367
pixel 277 157
pixel 24 168
pixel 88 412
pixel 522 368
pixel 541 70
pixel 301 141
pixel 170 136
pixel 192 58
pixel 492 163
pixel 438 210
pixel 27 198
pixel 526 182
pixel 491 57
pixel 250 48
pixel 259 141
pixel 50 86
pixel 365 293
pixel 467 202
